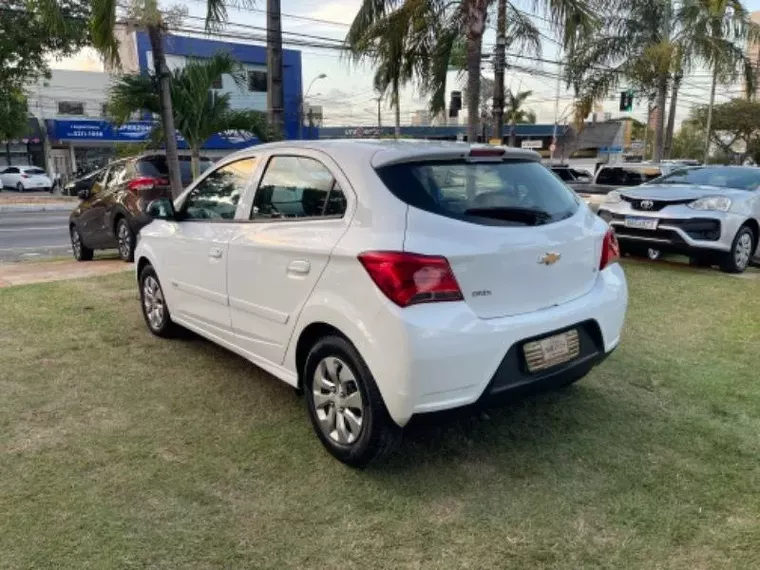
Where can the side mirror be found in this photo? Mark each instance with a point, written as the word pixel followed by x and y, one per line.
pixel 83 194
pixel 161 209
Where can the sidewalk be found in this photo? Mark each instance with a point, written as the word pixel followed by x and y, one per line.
pixel 15 202
pixel 25 273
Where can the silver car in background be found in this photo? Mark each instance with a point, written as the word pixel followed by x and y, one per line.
pixel 710 213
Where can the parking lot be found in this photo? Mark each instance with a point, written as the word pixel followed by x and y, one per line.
pixel 121 450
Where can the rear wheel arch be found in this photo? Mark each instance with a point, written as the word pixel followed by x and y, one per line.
pixel 310 335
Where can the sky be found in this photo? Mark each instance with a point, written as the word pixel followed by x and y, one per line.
pixel 346 94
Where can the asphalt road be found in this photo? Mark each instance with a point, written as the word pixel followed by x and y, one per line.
pixel 31 235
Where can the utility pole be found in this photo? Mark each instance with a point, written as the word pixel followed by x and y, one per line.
pixel 662 90
pixel 275 97
pixel 556 113
pixel 499 65
pixel 708 126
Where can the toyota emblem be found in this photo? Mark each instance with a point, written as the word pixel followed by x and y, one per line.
pixel 647 204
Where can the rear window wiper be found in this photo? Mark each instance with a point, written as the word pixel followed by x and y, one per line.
pixel 528 216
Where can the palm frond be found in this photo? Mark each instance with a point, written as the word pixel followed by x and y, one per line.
pixel 130 94
pixel 102 26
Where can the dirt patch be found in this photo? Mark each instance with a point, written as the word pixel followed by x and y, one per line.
pixel 13 274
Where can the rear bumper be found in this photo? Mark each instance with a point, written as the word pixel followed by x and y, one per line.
pixel 431 358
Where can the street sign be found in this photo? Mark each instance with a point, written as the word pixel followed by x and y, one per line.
pixel 532 144
pixel 637 145
pixel 611 149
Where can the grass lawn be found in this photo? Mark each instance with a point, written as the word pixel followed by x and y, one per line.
pixel 119 450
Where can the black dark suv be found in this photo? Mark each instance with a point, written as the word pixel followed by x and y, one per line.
pixel 113 209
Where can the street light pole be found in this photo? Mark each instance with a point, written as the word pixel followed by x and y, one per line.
pixel 301 102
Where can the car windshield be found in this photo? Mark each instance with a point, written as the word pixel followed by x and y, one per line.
pixel 156 167
pixel 721 176
pixel 512 192
pixel 34 171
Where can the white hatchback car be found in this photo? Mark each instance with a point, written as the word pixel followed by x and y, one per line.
pixel 387 279
pixel 21 178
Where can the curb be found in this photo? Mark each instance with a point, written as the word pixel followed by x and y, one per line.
pixel 36 207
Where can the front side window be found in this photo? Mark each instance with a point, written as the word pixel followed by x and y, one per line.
pixel 511 192
pixel 216 197
pixel 35 171
pixel 297 187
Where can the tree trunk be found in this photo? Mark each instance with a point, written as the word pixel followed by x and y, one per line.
pixel 397 129
pixel 275 97
pixel 672 114
pixel 708 126
pixel 195 161
pixel 498 86
pixel 659 132
pixel 155 34
pixel 476 20
pixel 512 132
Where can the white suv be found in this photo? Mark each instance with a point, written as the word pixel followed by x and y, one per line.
pixel 387 279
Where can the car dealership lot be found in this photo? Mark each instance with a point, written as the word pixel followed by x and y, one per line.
pixel 120 450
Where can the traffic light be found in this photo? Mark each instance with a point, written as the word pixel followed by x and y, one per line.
pixel 626 100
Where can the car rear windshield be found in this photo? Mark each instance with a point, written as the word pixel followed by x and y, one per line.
pixel 512 192
pixel 724 177
pixel 34 171
pixel 156 167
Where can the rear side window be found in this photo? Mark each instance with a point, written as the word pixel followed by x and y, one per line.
pixel 512 192
pixel 156 167
pixel 297 187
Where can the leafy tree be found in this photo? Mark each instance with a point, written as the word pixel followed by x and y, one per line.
pixel 199 112
pixel 737 121
pixel 516 114
pixel 688 142
pixel 644 42
pixel 25 43
pixel 146 15
pixel 429 34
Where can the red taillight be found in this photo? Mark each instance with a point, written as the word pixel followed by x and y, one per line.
pixel 410 278
pixel 610 250
pixel 143 183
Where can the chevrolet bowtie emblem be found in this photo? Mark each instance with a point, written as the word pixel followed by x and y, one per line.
pixel 549 258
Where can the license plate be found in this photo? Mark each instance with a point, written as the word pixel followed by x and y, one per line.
pixel 552 350
pixel 641 223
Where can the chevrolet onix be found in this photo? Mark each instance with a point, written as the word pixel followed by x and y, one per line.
pixel 387 279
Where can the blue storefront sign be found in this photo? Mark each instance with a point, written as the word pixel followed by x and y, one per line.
pixel 137 132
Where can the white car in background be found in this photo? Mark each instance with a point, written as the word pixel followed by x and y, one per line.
pixel 23 178
pixel 387 279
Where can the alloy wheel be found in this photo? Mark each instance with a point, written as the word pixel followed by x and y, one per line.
pixel 338 401
pixel 125 241
pixel 76 243
pixel 153 302
pixel 743 250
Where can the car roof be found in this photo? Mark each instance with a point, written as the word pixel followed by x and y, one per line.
pixel 380 152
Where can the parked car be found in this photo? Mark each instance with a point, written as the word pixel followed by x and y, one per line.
pixel 113 208
pixel 23 178
pixel 387 280
pixel 614 176
pixel 84 182
pixel 710 213
pixel 576 178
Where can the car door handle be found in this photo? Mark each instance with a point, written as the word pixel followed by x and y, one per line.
pixel 215 253
pixel 299 267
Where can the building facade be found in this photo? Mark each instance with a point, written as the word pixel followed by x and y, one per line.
pixel 71 104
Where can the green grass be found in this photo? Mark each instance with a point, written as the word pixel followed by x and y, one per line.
pixel 119 450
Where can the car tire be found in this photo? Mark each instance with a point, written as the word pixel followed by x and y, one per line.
pixel 19 187
pixel 81 251
pixel 125 238
pixel 153 304
pixel 345 406
pixel 737 259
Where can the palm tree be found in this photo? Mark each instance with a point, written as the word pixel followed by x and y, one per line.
pixel 199 112
pixel 516 114
pixel 143 14
pixel 646 42
pixel 432 30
